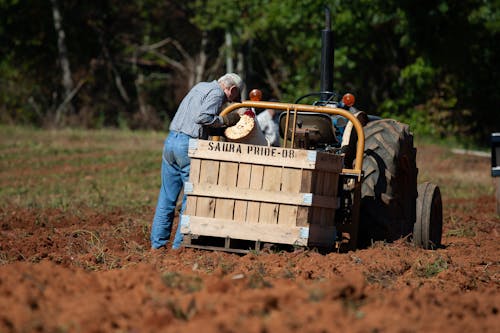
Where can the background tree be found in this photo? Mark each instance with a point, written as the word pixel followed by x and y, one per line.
pixel 430 63
pixel 67 80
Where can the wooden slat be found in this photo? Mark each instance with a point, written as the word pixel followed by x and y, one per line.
pixel 290 183
pixel 256 175
pixel 228 174
pixel 194 170
pixel 194 176
pixel 209 174
pixel 273 233
pixel 306 185
pixel 287 215
pixel 240 206
pixel 271 182
pixel 270 197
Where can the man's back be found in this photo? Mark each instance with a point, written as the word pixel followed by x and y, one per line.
pixel 199 108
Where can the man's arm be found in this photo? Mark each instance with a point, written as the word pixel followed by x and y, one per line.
pixel 210 109
pixel 209 114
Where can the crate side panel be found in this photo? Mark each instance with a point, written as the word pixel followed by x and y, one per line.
pixel 322 221
pixel 322 236
pixel 329 162
pixel 326 185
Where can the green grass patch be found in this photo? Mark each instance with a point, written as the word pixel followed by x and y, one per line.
pixel 459 176
pixel 66 168
pixel 458 227
pixel 430 267
pixel 186 283
pixel 466 232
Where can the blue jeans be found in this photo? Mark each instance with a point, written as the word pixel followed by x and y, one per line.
pixel 174 172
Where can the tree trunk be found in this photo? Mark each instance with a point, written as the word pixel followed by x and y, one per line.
pixel 116 74
pixel 67 81
pixel 202 59
pixel 229 53
pixel 240 69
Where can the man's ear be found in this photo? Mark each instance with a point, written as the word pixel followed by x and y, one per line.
pixel 236 92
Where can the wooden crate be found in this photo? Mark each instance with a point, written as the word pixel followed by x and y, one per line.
pixel 263 194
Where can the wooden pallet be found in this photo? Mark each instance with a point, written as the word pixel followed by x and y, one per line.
pixel 228 244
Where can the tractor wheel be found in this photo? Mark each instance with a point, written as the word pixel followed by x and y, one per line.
pixel 427 230
pixel 389 187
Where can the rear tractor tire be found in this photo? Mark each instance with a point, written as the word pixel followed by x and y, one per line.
pixel 427 230
pixel 389 187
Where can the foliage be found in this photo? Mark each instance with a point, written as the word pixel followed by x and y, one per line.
pixel 432 63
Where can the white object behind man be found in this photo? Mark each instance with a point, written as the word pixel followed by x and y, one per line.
pixel 268 122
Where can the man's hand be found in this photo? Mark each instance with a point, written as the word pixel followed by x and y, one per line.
pixel 231 119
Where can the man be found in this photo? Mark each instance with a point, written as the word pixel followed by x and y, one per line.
pixel 197 113
pixel 268 122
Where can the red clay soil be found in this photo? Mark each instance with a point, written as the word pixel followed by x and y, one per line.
pixel 86 271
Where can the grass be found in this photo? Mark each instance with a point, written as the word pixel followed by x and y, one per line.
pixel 450 142
pixel 430 267
pixel 66 168
pixel 185 283
pixel 459 176
pixel 458 227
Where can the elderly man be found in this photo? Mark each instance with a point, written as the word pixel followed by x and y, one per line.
pixel 197 113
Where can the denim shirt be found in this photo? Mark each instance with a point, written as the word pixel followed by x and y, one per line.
pixel 200 109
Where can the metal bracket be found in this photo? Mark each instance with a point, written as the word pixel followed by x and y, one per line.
pixel 188 187
pixel 185 223
pixel 307 198
pixel 193 144
pixel 304 233
pixel 312 155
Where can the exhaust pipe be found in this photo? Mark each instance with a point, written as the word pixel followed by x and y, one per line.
pixel 327 58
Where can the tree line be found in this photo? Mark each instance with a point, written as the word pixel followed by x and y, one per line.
pixel 431 63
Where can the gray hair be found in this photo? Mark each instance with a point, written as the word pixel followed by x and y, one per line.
pixel 231 79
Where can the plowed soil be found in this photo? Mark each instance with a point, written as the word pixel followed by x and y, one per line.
pixel 79 270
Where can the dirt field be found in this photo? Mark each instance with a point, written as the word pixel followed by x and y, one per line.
pixel 81 270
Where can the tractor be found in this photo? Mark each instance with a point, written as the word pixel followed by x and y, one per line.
pixel 378 192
